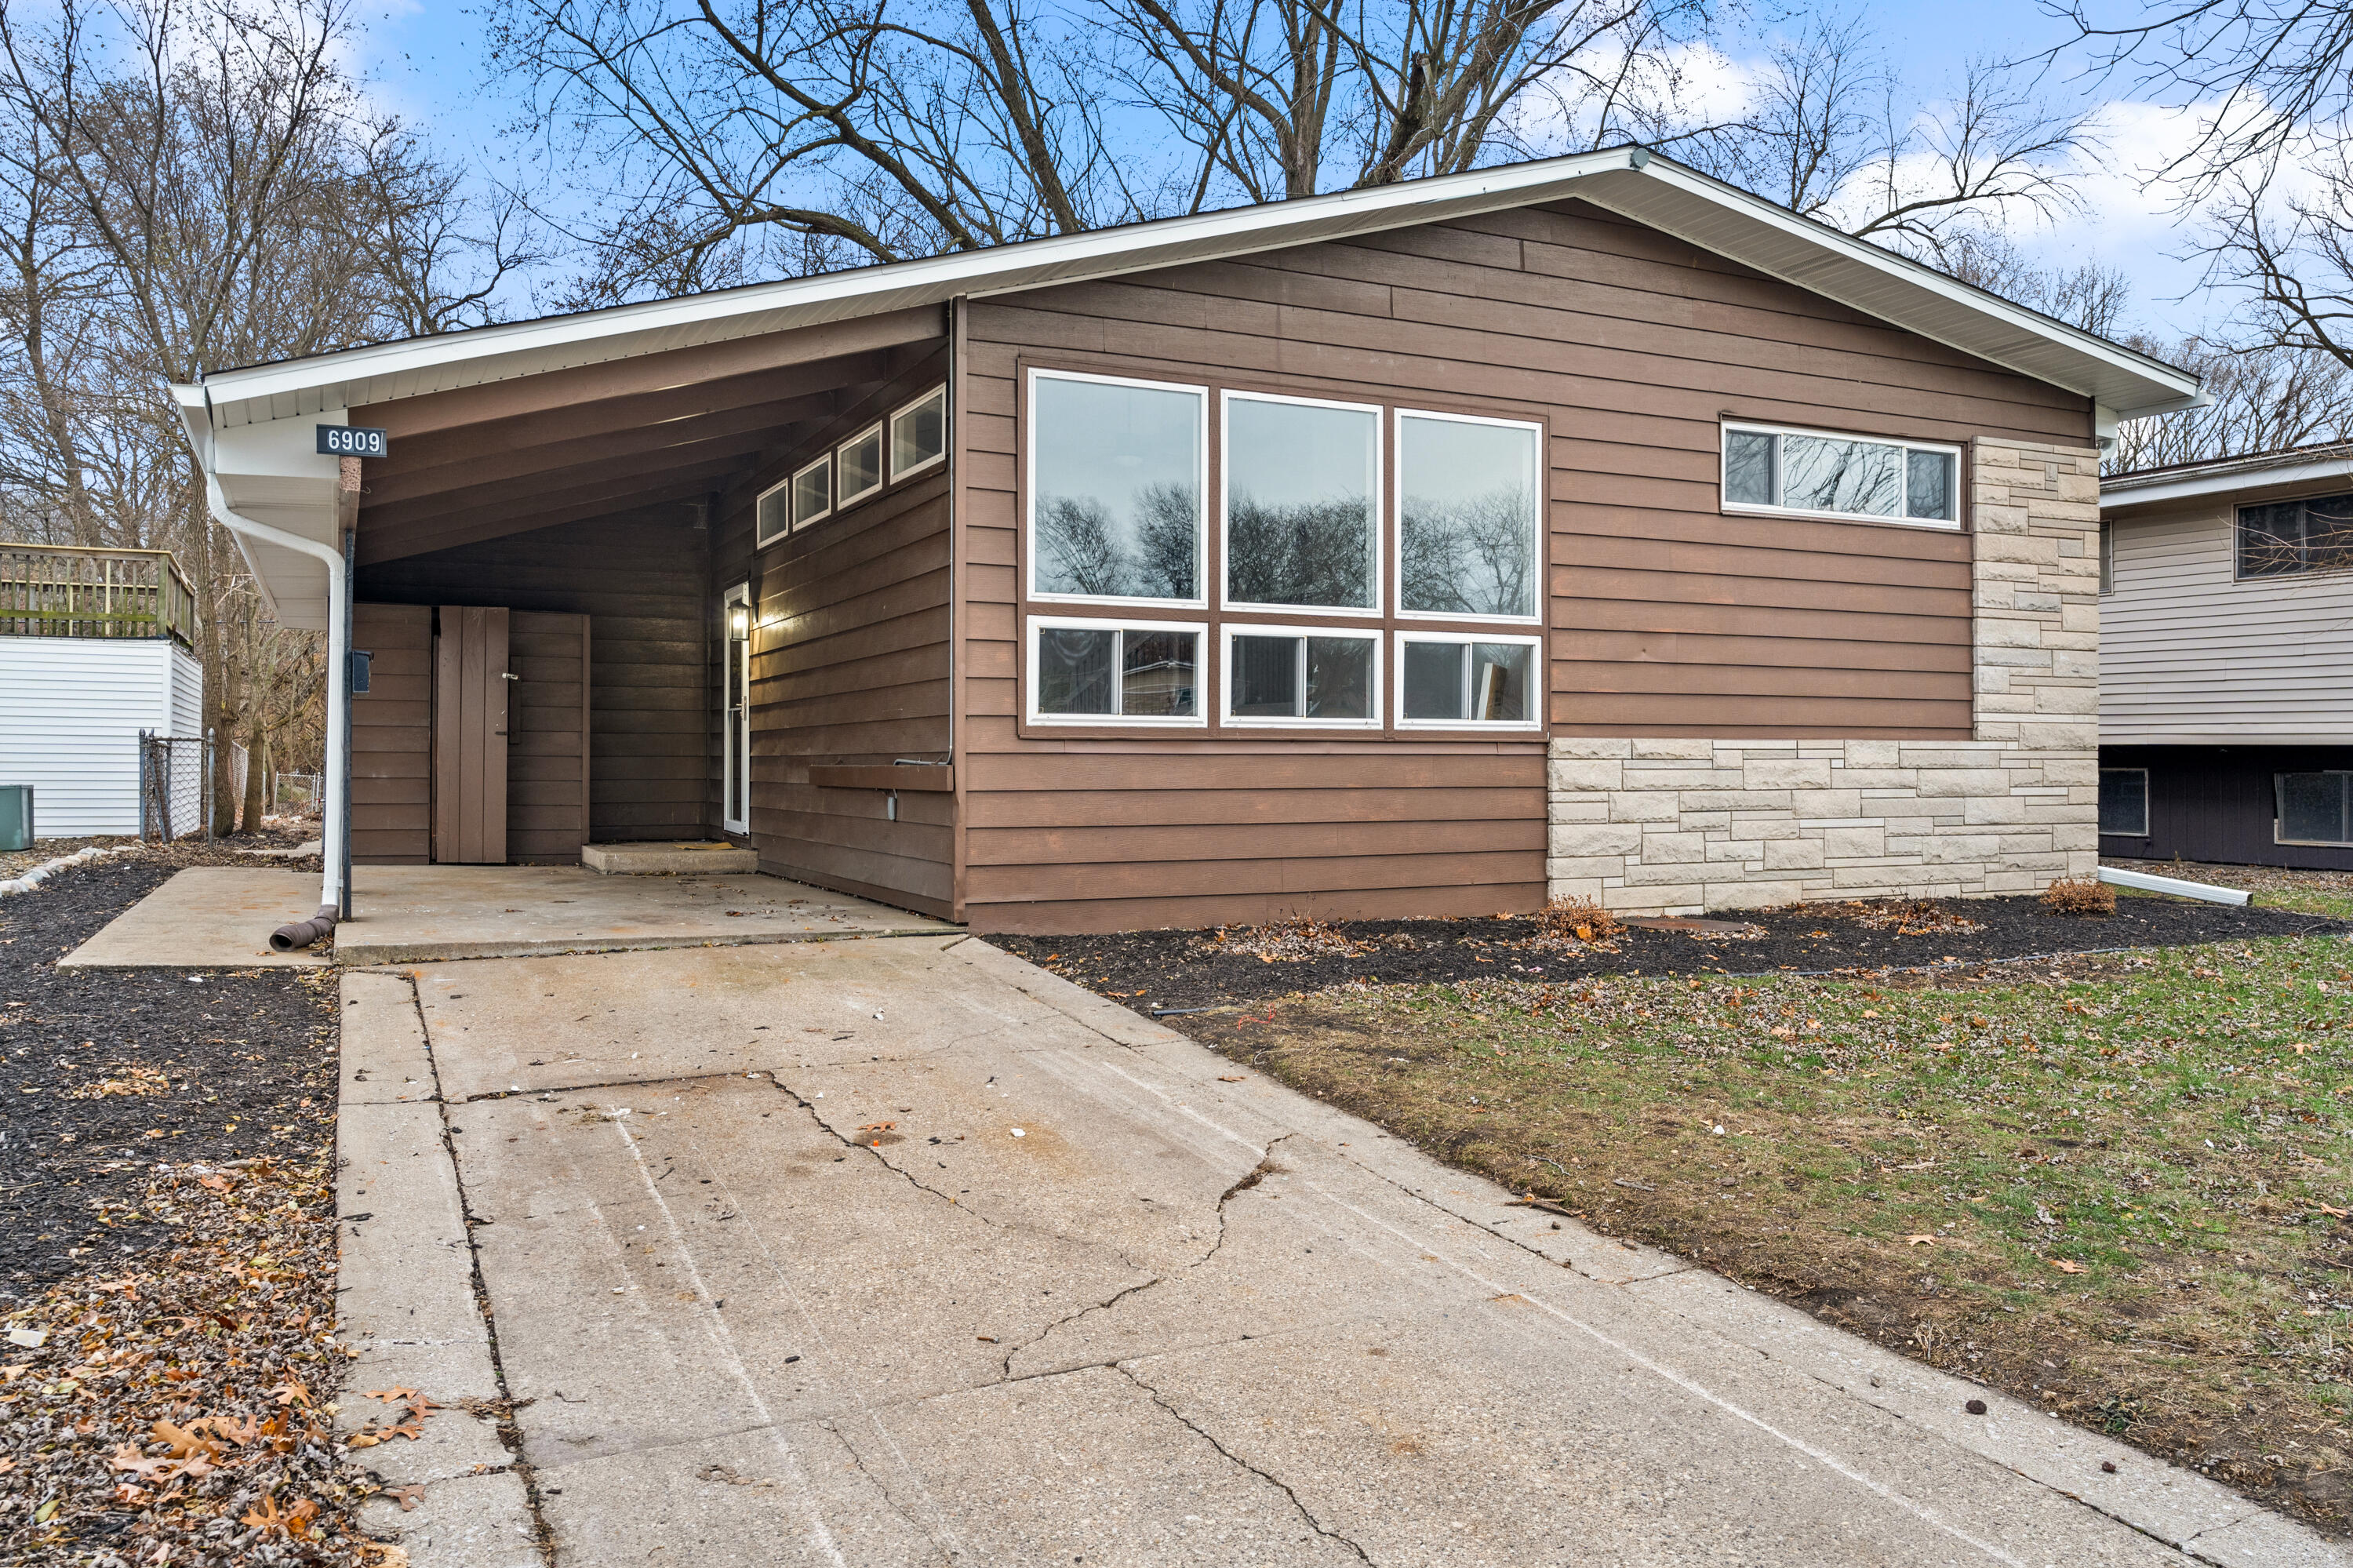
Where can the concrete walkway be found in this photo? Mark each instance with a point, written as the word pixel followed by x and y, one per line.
pixel 221 916
pixel 906 1252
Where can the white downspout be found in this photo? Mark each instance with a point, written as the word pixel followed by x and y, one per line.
pixel 339 673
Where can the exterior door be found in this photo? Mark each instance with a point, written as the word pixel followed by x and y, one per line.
pixel 469 736
pixel 736 711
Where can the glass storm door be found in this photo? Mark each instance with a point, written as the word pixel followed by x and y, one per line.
pixel 736 712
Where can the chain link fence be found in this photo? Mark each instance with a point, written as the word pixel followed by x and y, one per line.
pixel 175 787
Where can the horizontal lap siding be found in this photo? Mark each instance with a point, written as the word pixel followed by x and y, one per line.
pixel 1666 616
pixel 546 823
pixel 641 586
pixel 392 736
pixel 849 666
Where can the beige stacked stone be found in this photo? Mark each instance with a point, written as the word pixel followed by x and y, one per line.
pixel 1676 826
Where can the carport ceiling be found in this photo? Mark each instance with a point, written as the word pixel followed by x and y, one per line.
pixel 496 466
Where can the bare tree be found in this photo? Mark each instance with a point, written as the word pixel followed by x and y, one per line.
pixel 2265 399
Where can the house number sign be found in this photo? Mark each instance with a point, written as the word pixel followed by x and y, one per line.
pixel 352 440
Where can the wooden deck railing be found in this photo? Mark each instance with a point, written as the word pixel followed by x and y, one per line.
pixel 54 590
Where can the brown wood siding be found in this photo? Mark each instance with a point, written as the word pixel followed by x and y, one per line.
pixel 1666 615
pixel 640 582
pixel 392 736
pixel 850 667
pixel 548 727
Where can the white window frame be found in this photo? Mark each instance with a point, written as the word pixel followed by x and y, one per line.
pixel 2108 554
pixel 1225 401
pixel 882 458
pixel 1030 492
pixel 825 462
pixel 1539 680
pixel 2314 843
pixel 891 434
pixel 2143 805
pixel 1756 509
pixel 1396 563
pixel 761 537
pixel 1230 629
pixel 1204 670
pixel 735 738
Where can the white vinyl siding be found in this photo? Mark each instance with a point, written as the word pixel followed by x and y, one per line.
pixel 70 712
pixel 2191 655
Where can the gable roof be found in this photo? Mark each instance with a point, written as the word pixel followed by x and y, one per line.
pixel 1632 182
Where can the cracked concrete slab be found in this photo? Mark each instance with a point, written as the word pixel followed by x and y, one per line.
pixel 775 1279
pixel 475 1521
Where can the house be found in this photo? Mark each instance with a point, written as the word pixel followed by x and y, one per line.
pixel 96 648
pixel 2226 618
pixel 1584 526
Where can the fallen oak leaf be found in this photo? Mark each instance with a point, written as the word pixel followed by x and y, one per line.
pixel 408 1497
pixel 1920 1241
pixel 2066 1265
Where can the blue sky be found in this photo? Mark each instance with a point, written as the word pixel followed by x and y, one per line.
pixel 424 60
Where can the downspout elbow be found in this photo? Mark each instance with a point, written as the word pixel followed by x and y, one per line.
pixel 302 933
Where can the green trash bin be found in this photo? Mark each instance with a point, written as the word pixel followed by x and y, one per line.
pixel 16 816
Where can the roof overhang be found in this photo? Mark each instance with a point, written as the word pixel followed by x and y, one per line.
pixel 2226 477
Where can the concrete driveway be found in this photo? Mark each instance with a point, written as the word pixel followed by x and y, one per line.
pixel 901 1251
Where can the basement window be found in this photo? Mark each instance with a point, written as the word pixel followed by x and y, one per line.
pixel 813 492
pixel 859 461
pixel 2313 809
pixel 1768 469
pixel 919 434
pixel 1452 683
pixel 1082 671
pixel 1115 486
pixel 1302 676
pixel 2124 802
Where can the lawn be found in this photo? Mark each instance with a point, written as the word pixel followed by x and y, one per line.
pixel 2115 1185
pixel 2329 892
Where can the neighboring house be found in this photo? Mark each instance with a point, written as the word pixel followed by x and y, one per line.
pixel 95 646
pixel 2226 668
pixel 1580 527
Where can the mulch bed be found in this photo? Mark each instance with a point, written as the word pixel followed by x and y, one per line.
pixel 167 1246
pixel 1152 971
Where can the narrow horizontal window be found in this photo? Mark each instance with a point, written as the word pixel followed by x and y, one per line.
pixel 1107 671
pixel 2315 535
pixel 1303 487
pixel 772 515
pixel 1277 675
pixel 1116 488
pixel 1467 681
pixel 2124 801
pixel 1469 524
pixel 813 492
pixel 2314 809
pixel 859 461
pixel 1848 476
pixel 918 433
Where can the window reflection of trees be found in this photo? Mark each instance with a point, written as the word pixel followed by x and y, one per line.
pixel 1819 475
pixel 1317 553
pixel 1472 556
pixel 2310 535
pixel 1081 549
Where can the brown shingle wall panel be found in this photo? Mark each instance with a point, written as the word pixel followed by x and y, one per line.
pixel 392 741
pixel 1146 912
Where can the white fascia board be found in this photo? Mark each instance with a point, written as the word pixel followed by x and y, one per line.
pixel 1650 189
pixel 2221 478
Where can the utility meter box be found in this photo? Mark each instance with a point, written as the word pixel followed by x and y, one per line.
pixel 16 816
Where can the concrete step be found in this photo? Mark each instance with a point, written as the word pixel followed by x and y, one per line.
pixel 669 859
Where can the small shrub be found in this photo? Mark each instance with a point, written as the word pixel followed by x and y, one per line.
pixel 1579 919
pixel 2079 896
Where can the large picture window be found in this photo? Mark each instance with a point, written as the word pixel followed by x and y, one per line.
pixel 1303 482
pixel 1468 522
pixel 1090 670
pixel 1767 469
pixel 2314 808
pixel 2315 535
pixel 1116 478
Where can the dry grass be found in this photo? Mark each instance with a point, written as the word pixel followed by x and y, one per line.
pixel 1576 920
pixel 2115 1186
pixel 2080 896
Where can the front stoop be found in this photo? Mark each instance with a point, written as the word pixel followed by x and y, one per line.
pixel 669 859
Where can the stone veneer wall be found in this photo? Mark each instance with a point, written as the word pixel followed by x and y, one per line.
pixel 1673 826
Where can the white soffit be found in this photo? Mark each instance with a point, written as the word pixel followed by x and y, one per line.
pixel 2230 476
pixel 1639 185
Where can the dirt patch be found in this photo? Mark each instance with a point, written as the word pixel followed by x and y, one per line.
pixel 1150 970
pixel 2116 1187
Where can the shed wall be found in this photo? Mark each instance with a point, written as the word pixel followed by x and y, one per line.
pixel 70 712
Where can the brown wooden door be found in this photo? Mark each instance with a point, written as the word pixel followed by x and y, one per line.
pixel 469 736
pixel 547 738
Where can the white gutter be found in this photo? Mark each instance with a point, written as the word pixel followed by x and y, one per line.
pixel 339 671
pixel 2180 888
pixel 2221 478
